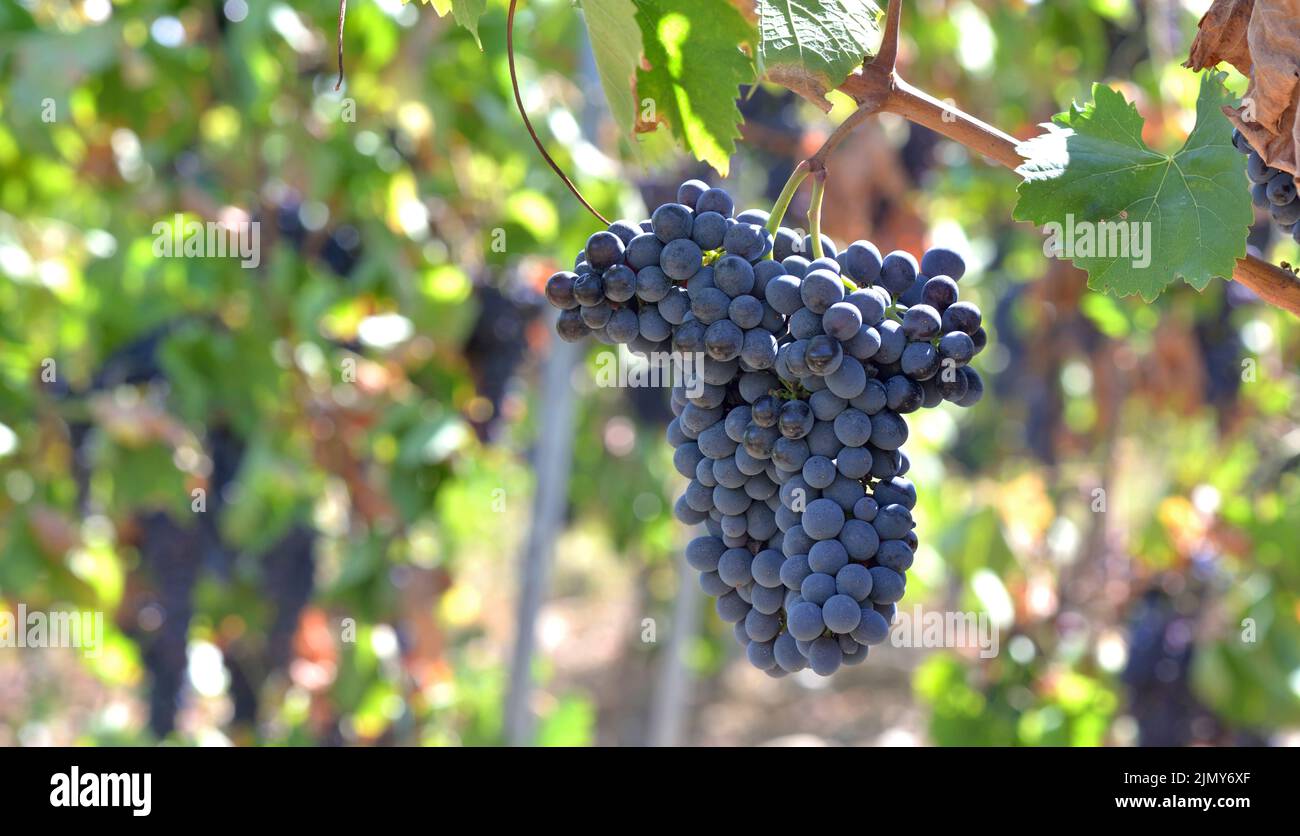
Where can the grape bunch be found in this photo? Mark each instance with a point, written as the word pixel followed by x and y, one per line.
pixel 1272 188
pixel 791 434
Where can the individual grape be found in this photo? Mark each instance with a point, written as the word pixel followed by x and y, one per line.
pixel 723 340
pixel 841 613
pixel 862 262
pixel 688 337
pixel 681 259
pixel 866 509
pixel 903 394
pixel 860 539
pixel 760 654
pixel 1281 189
pixel 715 444
pixel 652 284
pixel 872 629
pixel 760 441
pixel 869 305
pixel 787 654
pixel 825 656
pixel 823 519
pixel 783 294
pixel 896 492
pixel 849 380
pixel 823 355
pixel 892 343
pixel 1257 170
pixel 940 261
pixel 1259 195
pixel 687 515
pixel 820 289
pixel 957 346
pixel 761 627
pixel 570 326
pixel 852 428
pixel 818 587
pixel 842 321
pixel 715 200
pixel 767 600
pixel 643 251
pixel 819 471
pixel 804 324
pixel 980 338
pixel 710 305
pixel 854 462
pixel 765 411
pixel 897 272
pixel 921 322
pixel 703 553
pixel 766 568
pixel 674 307
pixel 623 325
pixel 713 585
pixel 672 221
pixel 874 398
pixel 559 290
pixel 688 193
pixel 853 580
pixel 1287 215
pixel 920 361
pixel 887 586
pixel 604 250
pixel 796 419
pixel 589 289
pixel 961 316
pixel 804 621
pixel 732 608
pixel 708 230
pixel 733 275
pixel 619 283
pixel 758 349
pixel 895 554
pixel 822 440
pixel 746 240
pixel 827 557
pixel 701 281
pixel 1240 142
pixel 888 430
pixel 596 316
pixel 893 521
pixel 939 292
pixel 790 453
pixel 795 265
pixel 974 387
pixel 745 311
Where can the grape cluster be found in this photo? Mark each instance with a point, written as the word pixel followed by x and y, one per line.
pixel 1272 188
pixel 791 436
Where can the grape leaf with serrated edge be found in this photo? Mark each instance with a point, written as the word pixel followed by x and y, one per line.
pixel 693 71
pixel 1194 204
pixel 811 46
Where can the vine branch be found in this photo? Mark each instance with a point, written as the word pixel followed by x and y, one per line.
pixel 519 103
pixel 877 88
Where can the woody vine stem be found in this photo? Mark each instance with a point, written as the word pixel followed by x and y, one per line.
pixel 877 88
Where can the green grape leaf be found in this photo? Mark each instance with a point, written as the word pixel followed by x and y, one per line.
pixel 616 43
pixel 1134 218
pixel 465 12
pixel 810 46
pixel 693 69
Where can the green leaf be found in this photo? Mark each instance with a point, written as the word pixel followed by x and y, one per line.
pixel 1191 209
pixel 811 46
pixel 616 43
pixel 696 69
pixel 465 12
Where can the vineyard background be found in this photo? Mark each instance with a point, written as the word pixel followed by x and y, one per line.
pixel 405 500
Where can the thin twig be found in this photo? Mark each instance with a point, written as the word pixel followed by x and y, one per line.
pixel 343 12
pixel 519 102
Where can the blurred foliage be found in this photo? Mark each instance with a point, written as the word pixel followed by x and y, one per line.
pixel 1123 504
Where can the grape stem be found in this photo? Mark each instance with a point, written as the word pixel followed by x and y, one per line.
pixel 783 200
pixel 877 88
pixel 343 13
pixel 815 212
